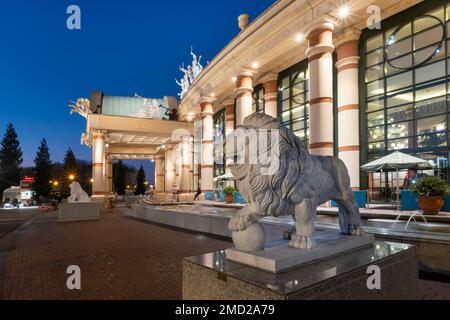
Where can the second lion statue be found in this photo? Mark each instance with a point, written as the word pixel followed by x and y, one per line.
pixel 302 183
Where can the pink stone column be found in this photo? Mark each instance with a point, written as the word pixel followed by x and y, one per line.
pixel 320 41
pixel 98 164
pixel 159 175
pixel 270 83
pixel 207 163
pixel 244 99
pixel 348 103
pixel 170 169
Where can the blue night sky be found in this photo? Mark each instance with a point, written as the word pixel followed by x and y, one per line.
pixel 124 47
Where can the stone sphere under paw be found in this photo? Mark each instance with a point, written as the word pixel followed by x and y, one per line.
pixel 252 239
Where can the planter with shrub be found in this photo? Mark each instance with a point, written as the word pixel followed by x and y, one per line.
pixel 432 191
pixel 229 194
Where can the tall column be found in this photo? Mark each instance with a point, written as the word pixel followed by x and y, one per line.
pixel 270 83
pixel 244 99
pixel 320 39
pixel 170 169
pixel 186 158
pixel 98 164
pixel 229 125
pixel 109 175
pixel 207 174
pixel 159 175
pixel 348 103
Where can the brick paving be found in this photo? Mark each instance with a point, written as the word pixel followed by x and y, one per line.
pixel 120 258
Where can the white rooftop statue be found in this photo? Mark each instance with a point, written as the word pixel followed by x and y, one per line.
pixel 77 194
pixel 82 107
pixel 190 74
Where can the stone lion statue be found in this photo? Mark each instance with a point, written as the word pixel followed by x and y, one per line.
pixel 77 194
pixel 302 183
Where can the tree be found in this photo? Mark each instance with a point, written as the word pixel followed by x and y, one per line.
pixel 43 171
pixel 10 159
pixel 70 171
pixel 119 178
pixel 140 182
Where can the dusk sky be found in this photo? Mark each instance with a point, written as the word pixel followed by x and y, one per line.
pixel 124 47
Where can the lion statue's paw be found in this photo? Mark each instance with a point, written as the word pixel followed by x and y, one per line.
pixel 300 242
pixel 241 222
pixel 357 231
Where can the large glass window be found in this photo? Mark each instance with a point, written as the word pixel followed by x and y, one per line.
pixel 258 100
pixel 294 100
pixel 406 73
pixel 219 138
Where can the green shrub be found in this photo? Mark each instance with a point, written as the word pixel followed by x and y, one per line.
pixel 229 191
pixel 431 187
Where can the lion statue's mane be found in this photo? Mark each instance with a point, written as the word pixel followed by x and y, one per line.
pixel 293 158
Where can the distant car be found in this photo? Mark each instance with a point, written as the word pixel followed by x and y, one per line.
pixel 46 207
pixel 8 206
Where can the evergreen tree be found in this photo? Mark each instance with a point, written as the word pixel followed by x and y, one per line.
pixel 70 167
pixel 43 171
pixel 10 159
pixel 119 178
pixel 140 182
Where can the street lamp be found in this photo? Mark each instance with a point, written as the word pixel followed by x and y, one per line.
pixel 72 177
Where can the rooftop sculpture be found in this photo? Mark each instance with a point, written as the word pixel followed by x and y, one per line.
pixel 297 188
pixel 190 74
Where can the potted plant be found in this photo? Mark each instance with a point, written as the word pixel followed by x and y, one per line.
pixel 229 194
pixel 432 191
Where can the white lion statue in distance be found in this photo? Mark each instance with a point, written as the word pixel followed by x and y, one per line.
pixel 302 183
pixel 77 194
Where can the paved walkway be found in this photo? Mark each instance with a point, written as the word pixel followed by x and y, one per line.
pixel 120 258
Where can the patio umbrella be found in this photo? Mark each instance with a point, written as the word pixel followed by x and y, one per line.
pixel 398 161
pixel 394 163
pixel 225 177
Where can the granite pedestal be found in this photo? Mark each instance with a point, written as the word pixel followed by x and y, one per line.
pixel 68 212
pixel 278 257
pixel 213 277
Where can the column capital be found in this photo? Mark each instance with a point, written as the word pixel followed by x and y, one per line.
pixel 228 102
pixel 348 35
pixel 269 77
pixel 318 27
pixel 246 72
pixel 320 39
pixel 207 100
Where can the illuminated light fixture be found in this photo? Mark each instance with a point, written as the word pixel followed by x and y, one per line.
pixel 299 38
pixel 163 146
pixel 213 94
pixel 344 12
pixel 234 79
pixel 72 177
pixel 255 65
pixel 107 145
pixel 92 180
